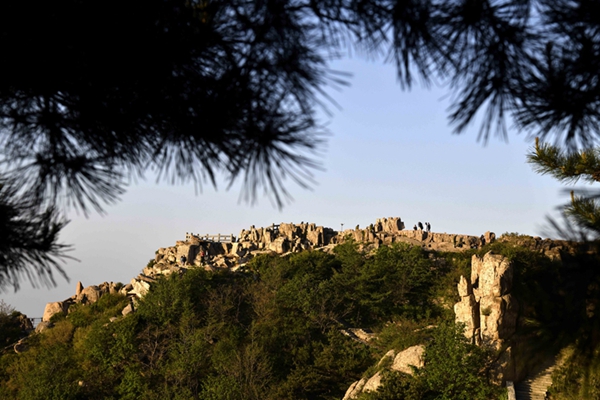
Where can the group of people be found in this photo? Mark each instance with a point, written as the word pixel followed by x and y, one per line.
pixel 420 226
pixel 203 258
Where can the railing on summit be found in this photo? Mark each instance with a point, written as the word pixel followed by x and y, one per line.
pixel 222 238
pixel 35 321
pixel 217 238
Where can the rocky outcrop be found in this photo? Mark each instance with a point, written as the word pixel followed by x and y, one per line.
pixel 355 389
pixel 404 362
pixel 24 323
pixel 492 278
pixel 282 239
pixel 409 358
pixel 393 224
pixel 128 309
pixel 53 309
pixel 488 310
pixel 87 295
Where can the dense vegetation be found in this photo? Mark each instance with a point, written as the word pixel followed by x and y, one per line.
pixel 274 331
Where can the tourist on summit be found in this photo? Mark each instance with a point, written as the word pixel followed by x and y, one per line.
pixel 415 227
pixel 428 226
pixel 183 259
pixel 420 226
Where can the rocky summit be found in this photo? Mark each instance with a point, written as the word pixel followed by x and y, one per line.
pixel 226 252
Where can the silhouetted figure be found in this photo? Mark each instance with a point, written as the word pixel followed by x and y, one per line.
pixel 415 227
pixel 428 226
pixel 420 226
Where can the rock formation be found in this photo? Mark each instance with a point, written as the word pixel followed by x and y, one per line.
pixel 488 310
pixel 404 362
pixel 280 239
pixel 201 252
pixel 82 295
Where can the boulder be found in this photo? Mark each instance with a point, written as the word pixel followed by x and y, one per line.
pixel 78 288
pixel 290 231
pixel 112 289
pixel 129 308
pixel 408 358
pixel 237 249
pixel 355 389
pixel 24 323
pixel 90 294
pixel 188 250
pixel 387 356
pixel 280 245
pixel 362 334
pixel 220 262
pixel 139 288
pixel 268 235
pixel 373 383
pixel 490 237
pixel 145 278
pixel 52 309
pixel 250 246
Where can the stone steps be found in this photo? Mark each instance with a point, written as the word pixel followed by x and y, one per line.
pixel 535 386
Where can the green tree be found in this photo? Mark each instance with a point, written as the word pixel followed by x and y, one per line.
pixel 85 106
pixel 454 370
pixel 583 212
pixel 395 280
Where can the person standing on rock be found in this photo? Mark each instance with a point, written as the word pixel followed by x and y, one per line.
pixel 415 228
pixel 183 260
pixel 420 225
pixel 428 226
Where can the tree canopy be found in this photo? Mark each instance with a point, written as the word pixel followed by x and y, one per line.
pixel 93 93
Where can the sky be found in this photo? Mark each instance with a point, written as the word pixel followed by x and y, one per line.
pixel 389 154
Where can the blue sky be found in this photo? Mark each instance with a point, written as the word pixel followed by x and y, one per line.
pixel 390 153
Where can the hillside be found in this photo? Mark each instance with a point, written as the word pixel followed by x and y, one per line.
pixel 299 311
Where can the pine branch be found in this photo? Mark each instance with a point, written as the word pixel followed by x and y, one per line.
pixel 584 212
pixel 566 167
